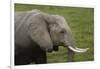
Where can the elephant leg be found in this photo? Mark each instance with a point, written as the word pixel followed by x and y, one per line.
pixel 24 58
pixel 70 55
pixel 41 58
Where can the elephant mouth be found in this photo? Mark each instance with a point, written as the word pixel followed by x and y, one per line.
pixel 55 48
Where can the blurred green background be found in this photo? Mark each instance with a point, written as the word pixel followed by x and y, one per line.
pixel 81 21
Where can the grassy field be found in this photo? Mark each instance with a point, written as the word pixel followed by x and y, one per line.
pixel 81 21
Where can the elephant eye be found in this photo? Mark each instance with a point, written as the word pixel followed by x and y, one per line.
pixel 62 31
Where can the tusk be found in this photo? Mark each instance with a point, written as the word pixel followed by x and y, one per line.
pixel 77 50
pixel 82 49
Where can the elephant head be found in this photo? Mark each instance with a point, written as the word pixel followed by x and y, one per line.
pixel 53 31
pixel 60 32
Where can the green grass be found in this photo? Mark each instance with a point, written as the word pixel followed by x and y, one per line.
pixel 81 21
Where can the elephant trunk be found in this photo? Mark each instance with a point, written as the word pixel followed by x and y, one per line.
pixel 75 49
pixel 70 43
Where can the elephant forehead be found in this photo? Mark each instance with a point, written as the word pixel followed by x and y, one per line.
pixel 60 21
pixel 62 24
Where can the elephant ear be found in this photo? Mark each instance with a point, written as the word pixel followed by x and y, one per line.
pixel 38 31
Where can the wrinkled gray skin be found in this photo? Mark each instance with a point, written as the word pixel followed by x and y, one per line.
pixel 37 32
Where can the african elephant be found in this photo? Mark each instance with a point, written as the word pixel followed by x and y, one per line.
pixel 37 32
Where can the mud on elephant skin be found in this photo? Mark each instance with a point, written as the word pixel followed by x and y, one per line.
pixel 37 32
